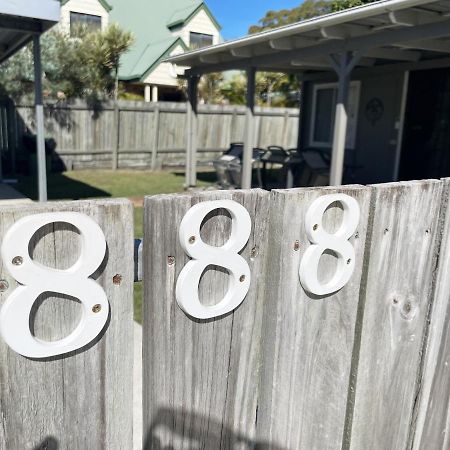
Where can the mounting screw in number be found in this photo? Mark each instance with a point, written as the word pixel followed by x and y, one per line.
pixel 191 239
pixel 4 285
pixel 96 308
pixel 315 227
pixel 242 278
pixel 17 260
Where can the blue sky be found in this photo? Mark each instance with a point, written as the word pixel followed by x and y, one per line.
pixel 236 16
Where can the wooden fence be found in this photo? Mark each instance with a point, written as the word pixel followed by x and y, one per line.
pixel 140 135
pixel 366 367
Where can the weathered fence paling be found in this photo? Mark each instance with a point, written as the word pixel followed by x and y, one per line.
pixel 142 135
pixel 364 367
pixel 83 399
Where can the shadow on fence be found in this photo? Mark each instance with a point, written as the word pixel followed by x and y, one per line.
pixel 49 443
pixel 172 424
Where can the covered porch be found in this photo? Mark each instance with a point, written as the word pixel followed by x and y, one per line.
pixel 356 68
pixel 21 22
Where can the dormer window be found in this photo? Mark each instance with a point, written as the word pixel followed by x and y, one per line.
pixel 199 40
pixel 90 22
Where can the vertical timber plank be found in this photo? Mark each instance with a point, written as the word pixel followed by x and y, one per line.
pixel 307 340
pixel 432 428
pixel 82 400
pixel 200 377
pixel 401 262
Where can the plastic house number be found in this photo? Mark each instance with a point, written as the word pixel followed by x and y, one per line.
pixel 35 279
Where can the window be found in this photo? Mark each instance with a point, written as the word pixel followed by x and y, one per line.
pixel 323 112
pixel 92 23
pixel 199 40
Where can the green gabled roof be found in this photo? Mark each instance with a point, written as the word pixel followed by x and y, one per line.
pixel 148 20
pixel 104 3
pixel 183 16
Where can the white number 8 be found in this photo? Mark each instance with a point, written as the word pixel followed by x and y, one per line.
pixel 36 279
pixel 322 241
pixel 205 255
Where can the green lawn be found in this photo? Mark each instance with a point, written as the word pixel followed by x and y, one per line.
pixel 131 184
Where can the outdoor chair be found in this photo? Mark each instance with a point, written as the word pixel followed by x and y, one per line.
pixel 229 166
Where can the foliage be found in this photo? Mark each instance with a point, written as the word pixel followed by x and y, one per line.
pixel 307 10
pixel 84 66
pixel 209 88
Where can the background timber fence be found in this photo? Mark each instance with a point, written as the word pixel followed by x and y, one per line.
pixel 138 134
pixel 366 367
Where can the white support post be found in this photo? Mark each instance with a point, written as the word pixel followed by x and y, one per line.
pixel 40 139
pixel 147 93
pixel 155 95
pixel 247 159
pixel 343 68
pixel 191 148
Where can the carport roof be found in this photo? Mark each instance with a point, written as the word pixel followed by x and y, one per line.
pixel 382 32
pixel 21 19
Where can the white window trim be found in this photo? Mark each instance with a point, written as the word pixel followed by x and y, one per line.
pixel 316 87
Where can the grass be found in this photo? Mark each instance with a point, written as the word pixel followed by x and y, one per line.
pixel 132 184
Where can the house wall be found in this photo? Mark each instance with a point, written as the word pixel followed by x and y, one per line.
pixel 199 23
pixel 163 74
pixel 92 7
pixel 376 141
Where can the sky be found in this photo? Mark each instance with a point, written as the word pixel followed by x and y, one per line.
pixel 236 16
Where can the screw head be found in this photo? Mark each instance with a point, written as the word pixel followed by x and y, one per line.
pixel 242 278
pixel 96 308
pixel 4 285
pixel 191 239
pixel 117 279
pixel 349 261
pixel 296 246
pixel 254 252
pixel 17 260
pixel 315 227
pixel 171 260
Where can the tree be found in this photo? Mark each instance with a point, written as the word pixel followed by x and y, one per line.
pixel 84 66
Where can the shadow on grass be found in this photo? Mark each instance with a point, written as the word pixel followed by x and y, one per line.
pixel 60 187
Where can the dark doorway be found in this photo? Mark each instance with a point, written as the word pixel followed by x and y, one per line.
pixel 426 142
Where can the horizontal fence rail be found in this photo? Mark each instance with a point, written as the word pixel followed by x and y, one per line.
pixel 133 134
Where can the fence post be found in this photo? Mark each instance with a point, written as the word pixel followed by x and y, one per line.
pixel 200 376
pixel 81 400
pixel 116 137
pixel 155 136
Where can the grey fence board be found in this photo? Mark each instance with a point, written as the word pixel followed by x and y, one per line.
pixel 82 400
pixel 400 265
pixel 307 341
pixel 433 416
pixel 200 377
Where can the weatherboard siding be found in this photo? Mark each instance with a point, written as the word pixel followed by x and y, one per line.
pixel 163 74
pixel 92 7
pixel 199 23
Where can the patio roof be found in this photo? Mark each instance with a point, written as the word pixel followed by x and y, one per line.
pixel 384 32
pixel 20 20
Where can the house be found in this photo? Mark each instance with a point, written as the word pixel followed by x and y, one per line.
pixel 376 88
pixel 161 29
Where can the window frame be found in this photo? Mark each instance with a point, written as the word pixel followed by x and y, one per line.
pixel 85 15
pixel 318 86
pixel 200 34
